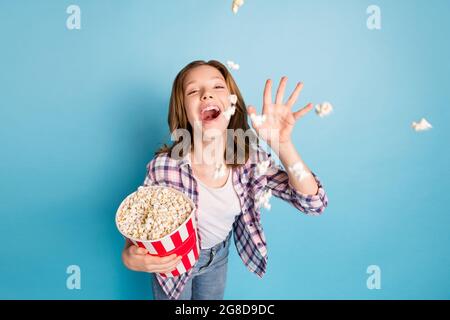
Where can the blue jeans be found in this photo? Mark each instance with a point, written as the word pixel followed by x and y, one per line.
pixel 208 276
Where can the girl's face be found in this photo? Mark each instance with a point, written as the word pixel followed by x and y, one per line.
pixel 205 99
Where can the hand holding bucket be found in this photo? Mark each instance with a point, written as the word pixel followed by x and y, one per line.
pixel 182 241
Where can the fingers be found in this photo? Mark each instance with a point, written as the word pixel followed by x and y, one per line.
pixel 294 95
pixel 300 113
pixel 280 91
pixel 167 259
pixel 141 251
pixel 138 250
pixel 170 266
pixel 252 110
pixel 156 264
pixel 267 98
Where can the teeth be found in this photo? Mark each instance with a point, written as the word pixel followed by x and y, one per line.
pixel 211 108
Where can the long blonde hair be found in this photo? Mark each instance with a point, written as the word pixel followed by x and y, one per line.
pixel 177 118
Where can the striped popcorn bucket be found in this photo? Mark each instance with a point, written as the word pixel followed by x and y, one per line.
pixel 182 241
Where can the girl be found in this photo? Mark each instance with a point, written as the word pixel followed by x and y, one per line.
pixel 224 198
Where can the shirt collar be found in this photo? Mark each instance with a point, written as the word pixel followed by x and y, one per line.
pixel 186 160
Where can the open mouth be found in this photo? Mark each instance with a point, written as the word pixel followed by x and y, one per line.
pixel 210 113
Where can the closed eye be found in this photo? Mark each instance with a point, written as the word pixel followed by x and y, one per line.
pixel 216 87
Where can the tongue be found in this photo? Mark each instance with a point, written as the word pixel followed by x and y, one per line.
pixel 209 115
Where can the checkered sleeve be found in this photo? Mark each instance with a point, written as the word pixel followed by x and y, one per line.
pixel 157 171
pixel 278 182
pixel 150 175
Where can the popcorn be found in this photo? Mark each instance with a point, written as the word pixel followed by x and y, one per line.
pixel 232 98
pixel 324 109
pixel 232 109
pixel 151 213
pixel 423 125
pixel 229 112
pixel 232 65
pixel 261 167
pixel 263 199
pixel 299 171
pixel 236 5
pixel 220 171
pixel 258 120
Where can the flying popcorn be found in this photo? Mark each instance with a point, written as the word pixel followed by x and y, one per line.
pixel 152 213
pixel 258 120
pixel 422 125
pixel 229 112
pixel 232 98
pixel 324 109
pixel 232 65
pixel 220 171
pixel 261 167
pixel 232 109
pixel 263 199
pixel 299 171
pixel 236 5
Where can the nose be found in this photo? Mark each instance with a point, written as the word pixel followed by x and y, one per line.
pixel 206 95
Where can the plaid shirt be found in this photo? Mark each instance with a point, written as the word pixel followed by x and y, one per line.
pixel 248 233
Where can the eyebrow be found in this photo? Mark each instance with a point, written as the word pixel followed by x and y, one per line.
pixel 210 79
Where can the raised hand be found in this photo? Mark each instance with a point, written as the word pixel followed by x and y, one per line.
pixel 277 119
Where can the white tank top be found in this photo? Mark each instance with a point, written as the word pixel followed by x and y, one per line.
pixel 217 210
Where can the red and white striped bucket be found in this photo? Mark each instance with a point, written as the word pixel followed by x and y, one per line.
pixel 183 241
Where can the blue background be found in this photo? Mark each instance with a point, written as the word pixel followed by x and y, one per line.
pixel 82 112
